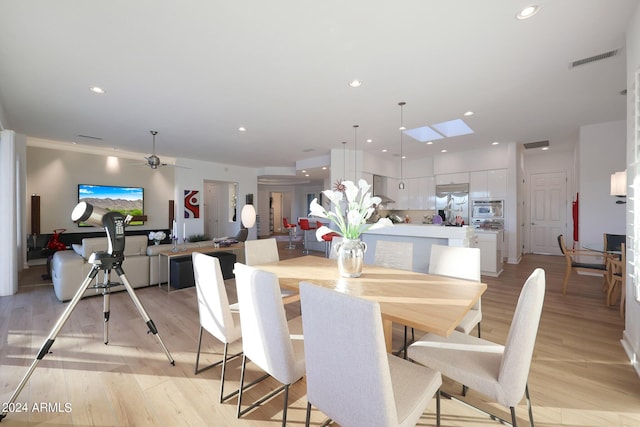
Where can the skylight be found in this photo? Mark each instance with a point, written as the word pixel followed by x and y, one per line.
pixel 453 128
pixel 423 134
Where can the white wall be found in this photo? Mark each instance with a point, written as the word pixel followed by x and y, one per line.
pixel 192 176
pixel 602 152
pixel 631 335
pixel 54 175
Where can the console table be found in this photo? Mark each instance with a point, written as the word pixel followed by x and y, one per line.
pixel 237 249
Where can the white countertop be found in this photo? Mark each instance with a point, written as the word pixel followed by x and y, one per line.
pixel 487 231
pixel 425 230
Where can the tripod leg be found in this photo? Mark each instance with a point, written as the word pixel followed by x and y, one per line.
pixel 52 337
pixel 106 297
pixel 142 311
pixel 106 311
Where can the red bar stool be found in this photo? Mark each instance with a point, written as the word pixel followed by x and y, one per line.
pixel 292 230
pixel 328 239
pixel 305 226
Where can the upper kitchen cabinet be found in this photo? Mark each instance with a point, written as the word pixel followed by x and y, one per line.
pixel 452 178
pixel 488 184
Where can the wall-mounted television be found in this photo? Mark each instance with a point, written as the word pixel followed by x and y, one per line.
pixel 126 200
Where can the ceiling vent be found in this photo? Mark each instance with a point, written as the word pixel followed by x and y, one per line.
pixel 97 138
pixel 538 144
pixel 594 58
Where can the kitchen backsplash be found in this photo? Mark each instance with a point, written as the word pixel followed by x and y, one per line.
pixel 415 217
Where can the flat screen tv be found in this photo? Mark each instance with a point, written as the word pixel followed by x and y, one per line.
pixel 126 200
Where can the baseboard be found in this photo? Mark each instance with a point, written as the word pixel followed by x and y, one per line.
pixel 632 353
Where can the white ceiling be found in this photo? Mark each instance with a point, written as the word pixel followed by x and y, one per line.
pixel 197 70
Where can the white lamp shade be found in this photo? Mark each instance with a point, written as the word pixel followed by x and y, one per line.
pixel 619 183
pixel 248 216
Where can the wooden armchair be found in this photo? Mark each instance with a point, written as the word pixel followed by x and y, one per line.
pixel 616 273
pixel 573 265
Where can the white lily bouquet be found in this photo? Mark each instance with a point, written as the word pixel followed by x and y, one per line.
pixel 157 236
pixel 351 210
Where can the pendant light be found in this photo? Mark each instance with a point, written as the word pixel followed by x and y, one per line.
pixel 355 153
pixel 401 104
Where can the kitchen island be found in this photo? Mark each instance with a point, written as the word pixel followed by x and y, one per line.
pixel 422 236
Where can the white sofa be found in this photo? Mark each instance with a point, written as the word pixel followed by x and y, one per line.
pixel 70 268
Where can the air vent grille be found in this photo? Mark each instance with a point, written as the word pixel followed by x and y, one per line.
pixel 90 137
pixel 594 58
pixel 538 144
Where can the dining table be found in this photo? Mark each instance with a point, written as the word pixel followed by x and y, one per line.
pixel 426 302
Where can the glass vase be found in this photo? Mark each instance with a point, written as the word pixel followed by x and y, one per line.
pixel 350 257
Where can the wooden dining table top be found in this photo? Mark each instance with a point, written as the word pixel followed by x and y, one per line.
pixel 426 302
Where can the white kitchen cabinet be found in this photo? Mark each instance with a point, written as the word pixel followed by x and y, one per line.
pixel 497 184
pixel 490 244
pixel 418 193
pixel 478 186
pixel 489 184
pixel 452 178
pixel 430 193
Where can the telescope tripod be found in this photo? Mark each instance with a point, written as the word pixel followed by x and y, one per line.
pixel 105 262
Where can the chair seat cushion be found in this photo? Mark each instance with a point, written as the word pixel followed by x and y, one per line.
pixel 587 265
pixel 471 319
pixel 469 360
pixel 413 388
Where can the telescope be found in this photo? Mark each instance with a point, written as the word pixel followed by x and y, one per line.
pixel 113 223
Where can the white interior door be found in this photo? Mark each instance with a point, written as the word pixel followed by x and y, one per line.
pixel 548 212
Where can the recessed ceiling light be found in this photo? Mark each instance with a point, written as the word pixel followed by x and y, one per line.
pixel 324 168
pixel 528 12
pixel 306 174
pixel 384 150
pixel 242 129
pixel 544 148
pixel 429 142
pixel 404 157
pixel 355 83
pixel 369 140
pixel 495 143
pixel 96 89
pixel 468 113
pixel 443 151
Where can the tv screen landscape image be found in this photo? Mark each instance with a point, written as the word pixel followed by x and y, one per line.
pixel 126 200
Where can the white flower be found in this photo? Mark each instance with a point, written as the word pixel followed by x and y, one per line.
pixel 351 210
pixel 157 235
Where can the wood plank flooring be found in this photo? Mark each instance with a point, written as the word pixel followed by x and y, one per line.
pixel 580 375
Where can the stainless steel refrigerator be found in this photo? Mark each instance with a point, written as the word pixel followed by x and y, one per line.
pixel 453 200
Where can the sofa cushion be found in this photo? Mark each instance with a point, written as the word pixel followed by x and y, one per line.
pixel 133 246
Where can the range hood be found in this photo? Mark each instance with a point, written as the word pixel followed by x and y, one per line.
pixel 380 189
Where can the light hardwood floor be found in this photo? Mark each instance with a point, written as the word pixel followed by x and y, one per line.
pixel 580 375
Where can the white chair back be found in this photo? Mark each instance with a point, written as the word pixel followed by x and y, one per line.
pixel 394 255
pixel 518 350
pixel 213 303
pixel 265 333
pixel 348 375
pixel 261 251
pixel 453 261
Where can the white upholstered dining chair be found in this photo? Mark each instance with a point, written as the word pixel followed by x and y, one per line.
pixel 497 371
pixel 461 263
pixel 215 313
pixel 268 340
pixel 350 376
pixel 394 255
pixel 261 251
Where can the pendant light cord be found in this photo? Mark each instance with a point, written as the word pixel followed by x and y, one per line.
pixel 401 104
pixel 355 153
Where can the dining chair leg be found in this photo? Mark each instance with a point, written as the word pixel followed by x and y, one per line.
pixel 514 422
pixel 479 330
pixel 438 408
pixel 308 418
pixel 198 352
pixel 286 404
pixel 529 407
pixel 244 364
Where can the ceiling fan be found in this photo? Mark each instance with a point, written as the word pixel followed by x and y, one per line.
pixel 153 161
